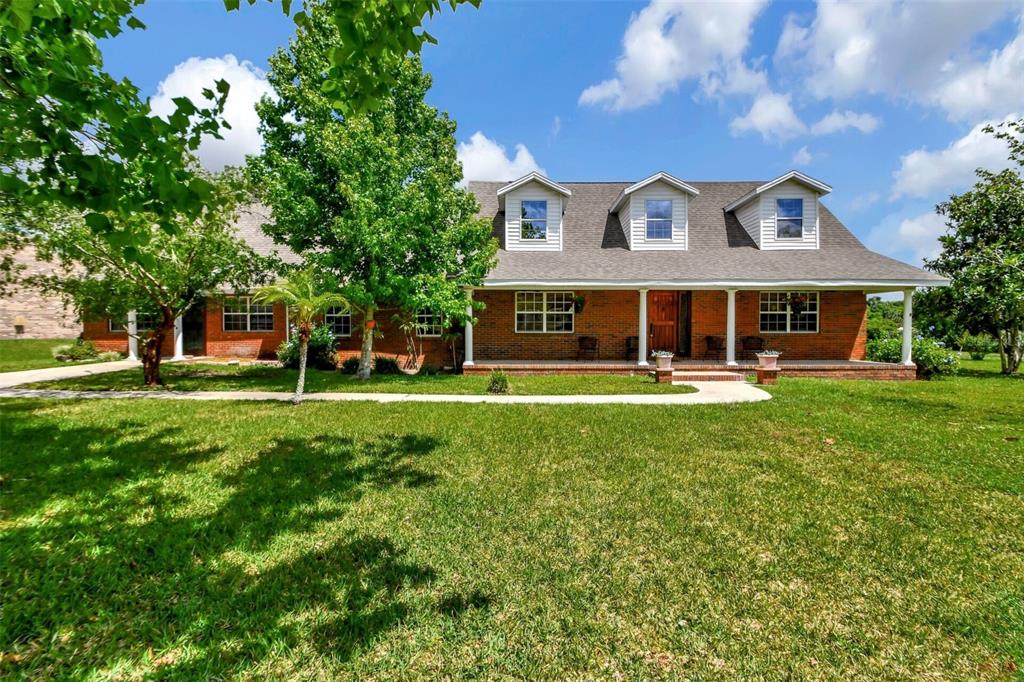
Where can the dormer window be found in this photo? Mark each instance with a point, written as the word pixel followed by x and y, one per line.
pixel 789 218
pixel 534 220
pixel 659 219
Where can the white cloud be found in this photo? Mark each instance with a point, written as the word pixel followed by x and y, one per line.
pixel 484 159
pixel 986 88
pixel 802 157
pixel 863 201
pixel 248 86
pixel 667 43
pixel 922 172
pixel 556 127
pixel 839 121
pixel 914 238
pixel 772 116
pixel 900 49
pixel 736 78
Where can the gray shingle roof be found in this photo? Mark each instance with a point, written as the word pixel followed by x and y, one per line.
pixel 251 218
pixel 720 250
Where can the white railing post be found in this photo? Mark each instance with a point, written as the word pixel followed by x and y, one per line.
pixel 179 340
pixel 730 327
pixel 467 337
pixel 908 327
pixel 642 350
pixel 133 336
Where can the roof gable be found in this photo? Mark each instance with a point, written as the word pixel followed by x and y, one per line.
pixel 662 176
pixel 796 176
pixel 534 177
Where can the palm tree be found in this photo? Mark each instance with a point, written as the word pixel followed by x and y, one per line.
pixel 306 302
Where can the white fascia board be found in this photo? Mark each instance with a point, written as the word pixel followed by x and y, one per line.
pixel 817 185
pixel 873 285
pixel 662 177
pixel 534 177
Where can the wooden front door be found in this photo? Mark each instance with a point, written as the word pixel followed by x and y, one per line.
pixel 664 320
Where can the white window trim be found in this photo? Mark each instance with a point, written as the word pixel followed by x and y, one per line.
pixel 671 223
pixel 802 219
pixel 440 323
pixel 123 328
pixel 248 318
pixel 349 314
pixel 545 221
pixel 544 312
pixel 789 313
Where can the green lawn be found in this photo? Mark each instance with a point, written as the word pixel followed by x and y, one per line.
pixel 843 530
pixel 221 377
pixel 16 355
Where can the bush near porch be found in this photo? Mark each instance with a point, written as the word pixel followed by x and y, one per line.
pixel 846 530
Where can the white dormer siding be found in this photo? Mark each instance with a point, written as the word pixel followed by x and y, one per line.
pixel 788 190
pixel 749 216
pixel 633 218
pixel 533 191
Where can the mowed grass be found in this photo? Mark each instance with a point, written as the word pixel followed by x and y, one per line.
pixel 222 377
pixel 20 354
pixel 843 530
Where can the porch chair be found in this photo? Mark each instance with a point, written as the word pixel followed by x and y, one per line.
pixel 752 345
pixel 632 347
pixel 715 347
pixel 588 345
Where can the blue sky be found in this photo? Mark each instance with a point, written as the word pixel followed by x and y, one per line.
pixel 882 101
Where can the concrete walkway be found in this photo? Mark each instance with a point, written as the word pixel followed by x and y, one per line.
pixel 708 392
pixel 28 376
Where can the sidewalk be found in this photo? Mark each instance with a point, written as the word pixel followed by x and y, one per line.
pixel 28 376
pixel 708 393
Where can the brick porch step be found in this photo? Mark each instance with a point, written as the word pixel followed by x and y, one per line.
pixel 684 375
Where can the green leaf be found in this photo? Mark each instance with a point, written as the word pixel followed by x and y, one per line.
pixel 286 6
pixel 231 5
pixel 133 22
pixel 98 222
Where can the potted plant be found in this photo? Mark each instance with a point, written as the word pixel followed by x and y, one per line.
pixel 768 358
pixel 663 358
pixel 577 304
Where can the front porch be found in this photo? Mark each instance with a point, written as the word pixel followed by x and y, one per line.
pixel 826 369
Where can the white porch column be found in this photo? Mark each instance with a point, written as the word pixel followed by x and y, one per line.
pixel 908 326
pixel 179 340
pixel 730 327
pixel 642 350
pixel 467 359
pixel 133 340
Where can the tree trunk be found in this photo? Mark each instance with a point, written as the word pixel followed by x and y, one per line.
pixel 1011 348
pixel 303 351
pixel 366 357
pixel 153 350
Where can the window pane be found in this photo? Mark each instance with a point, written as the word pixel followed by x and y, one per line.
pixel 560 311
pixel 534 210
pixel 534 229
pixel 339 320
pixel 559 301
pixel 659 209
pixel 789 228
pixel 529 322
pixel 260 322
pixel 234 322
pixel 428 323
pixel 659 229
pixel 773 311
pixel 529 301
pixel 790 208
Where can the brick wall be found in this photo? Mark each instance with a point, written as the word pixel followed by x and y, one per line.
pixel 390 342
pixel 611 316
pixel 842 325
pixel 27 314
pixel 99 333
pixel 242 344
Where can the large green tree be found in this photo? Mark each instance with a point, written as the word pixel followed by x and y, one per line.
pixel 983 252
pixel 370 198
pixel 167 272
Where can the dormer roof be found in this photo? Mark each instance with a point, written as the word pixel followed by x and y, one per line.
pixel 534 177
pixel 662 177
pixel 796 176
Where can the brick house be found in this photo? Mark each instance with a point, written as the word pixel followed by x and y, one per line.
pixel 596 275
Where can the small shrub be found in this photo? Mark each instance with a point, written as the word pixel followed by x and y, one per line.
pixel 76 352
pixel 931 357
pixel 429 370
pixel 350 365
pixel 109 356
pixel 978 345
pixel 498 382
pixel 386 365
pixel 320 354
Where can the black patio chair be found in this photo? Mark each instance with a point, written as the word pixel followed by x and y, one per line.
pixel 752 345
pixel 632 347
pixel 715 347
pixel 588 346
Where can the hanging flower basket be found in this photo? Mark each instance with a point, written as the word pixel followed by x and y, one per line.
pixel 578 303
pixel 797 303
pixel 371 324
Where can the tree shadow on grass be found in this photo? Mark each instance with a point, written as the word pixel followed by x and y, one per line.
pixel 106 561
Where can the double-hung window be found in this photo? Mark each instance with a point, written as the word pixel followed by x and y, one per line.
pixel 339 319
pixel 789 312
pixel 533 220
pixel 428 323
pixel 545 311
pixel 144 322
pixel 659 218
pixel 242 314
pixel 789 218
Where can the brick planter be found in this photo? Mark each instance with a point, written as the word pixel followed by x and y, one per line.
pixel 766 376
